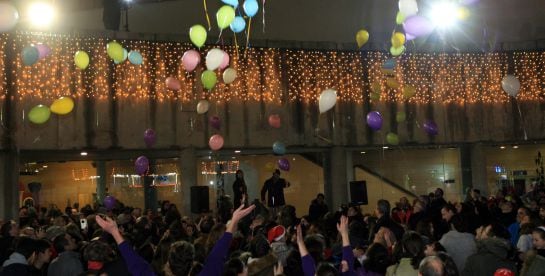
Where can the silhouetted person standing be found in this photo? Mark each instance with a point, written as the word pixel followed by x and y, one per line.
pixel 239 189
pixel 274 186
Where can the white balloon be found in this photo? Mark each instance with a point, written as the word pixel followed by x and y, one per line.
pixel 408 7
pixel 511 85
pixel 328 98
pixel 8 16
pixel 214 59
pixel 229 75
pixel 202 106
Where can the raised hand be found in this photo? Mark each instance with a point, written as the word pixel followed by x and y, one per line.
pixel 342 227
pixel 238 214
pixel 110 226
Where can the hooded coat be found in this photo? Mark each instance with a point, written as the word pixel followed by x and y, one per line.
pixel 491 255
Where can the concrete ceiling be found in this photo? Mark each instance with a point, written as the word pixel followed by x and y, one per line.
pixel 493 24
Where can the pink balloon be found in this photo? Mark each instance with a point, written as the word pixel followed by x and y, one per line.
pixel 216 142
pixel 43 50
pixel 190 60
pixel 173 83
pixel 225 61
pixel 274 120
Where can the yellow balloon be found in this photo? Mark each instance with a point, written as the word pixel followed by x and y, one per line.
pixel 81 59
pixel 114 50
pixel 392 83
pixel 62 106
pixel 408 91
pixel 362 36
pixel 375 96
pixel 398 39
pixel 269 167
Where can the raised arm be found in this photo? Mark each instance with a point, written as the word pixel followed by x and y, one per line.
pixel 136 264
pixel 348 255
pixel 309 266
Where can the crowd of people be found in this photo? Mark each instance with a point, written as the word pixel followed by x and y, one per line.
pixel 500 235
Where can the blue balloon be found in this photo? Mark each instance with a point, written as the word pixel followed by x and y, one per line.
pixel 250 7
pixel 233 3
pixel 30 55
pixel 135 57
pixel 125 55
pixel 279 148
pixel 238 25
pixel 389 64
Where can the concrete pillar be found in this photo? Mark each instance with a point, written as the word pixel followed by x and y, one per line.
pixel 101 181
pixel 188 168
pixel 479 178
pixel 336 177
pixel 9 190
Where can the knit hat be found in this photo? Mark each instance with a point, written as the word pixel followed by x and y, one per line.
pixel 276 233
pixel 504 272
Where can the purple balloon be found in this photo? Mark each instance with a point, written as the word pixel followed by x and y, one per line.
pixel 215 122
pixel 374 120
pixel 141 165
pixel 409 37
pixel 431 127
pixel 418 26
pixel 284 164
pixel 43 50
pixel 468 2
pixel 109 202
pixel 149 137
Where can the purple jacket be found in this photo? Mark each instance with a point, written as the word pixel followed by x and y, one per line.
pixel 309 266
pixel 214 262
pixel 137 265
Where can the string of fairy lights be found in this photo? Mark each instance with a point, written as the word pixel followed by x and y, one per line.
pixel 267 74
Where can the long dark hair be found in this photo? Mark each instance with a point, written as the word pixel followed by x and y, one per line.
pixel 378 258
pixel 412 246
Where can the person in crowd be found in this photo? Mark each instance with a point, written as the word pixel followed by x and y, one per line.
pixel 273 190
pixel 449 265
pixel 8 232
pixel 408 255
pixel 277 239
pixel 382 212
pixel 67 263
pixel 21 260
pixel 417 215
pixel 240 190
pixel 493 251
pixel 374 262
pixel 318 208
pixel 458 243
pixel 534 263
pixel 431 266
pixel 523 216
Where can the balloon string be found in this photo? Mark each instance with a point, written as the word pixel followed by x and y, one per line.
pixel 522 121
pixel 263 16
pixel 236 44
pixel 206 14
pixel 248 35
pixel 219 37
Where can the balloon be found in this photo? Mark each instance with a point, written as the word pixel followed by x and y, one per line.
pixel 401 117
pixel 397 51
pixel 81 59
pixel 173 83
pixel 214 58
pixel 150 137
pixel 39 114
pixel 375 96
pixel 215 142
pixel 30 55
pixel 269 167
pixel 202 106
pixel 328 98
pixel 409 37
pixel 409 91
pixel 229 75
pixel 408 7
pixel 392 83
pixel 400 18
pixel 190 60
pixel 511 85
pixel 141 165
pixel 279 148
pixel 250 7
pixel 392 139
pixel 224 61
pixel 238 25
pixel 197 35
pixel 43 50
pixel 208 79
pixel 135 57
pixel 62 106
pixel 109 202
pixel 8 16
pixel 125 56
pixel 417 26
pixel 504 272
pixel 225 16
pixel 376 87
pixel 374 120
pixel 115 51
pixel 430 127
pixel 284 164
pixel 233 3
pixel 398 39
pixel 362 36
pixel 215 122
pixel 274 120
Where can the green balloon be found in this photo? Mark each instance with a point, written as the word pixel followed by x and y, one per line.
pixel 114 50
pixel 30 55
pixel 39 114
pixel 397 51
pixel 209 79
pixel 401 117
pixel 392 139
pixel 225 16
pixel 375 96
pixel 400 18
pixel 197 34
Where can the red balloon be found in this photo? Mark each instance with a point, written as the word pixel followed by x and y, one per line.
pixel 274 120
pixel 173 83
pixel 215 142
pixel 504 272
